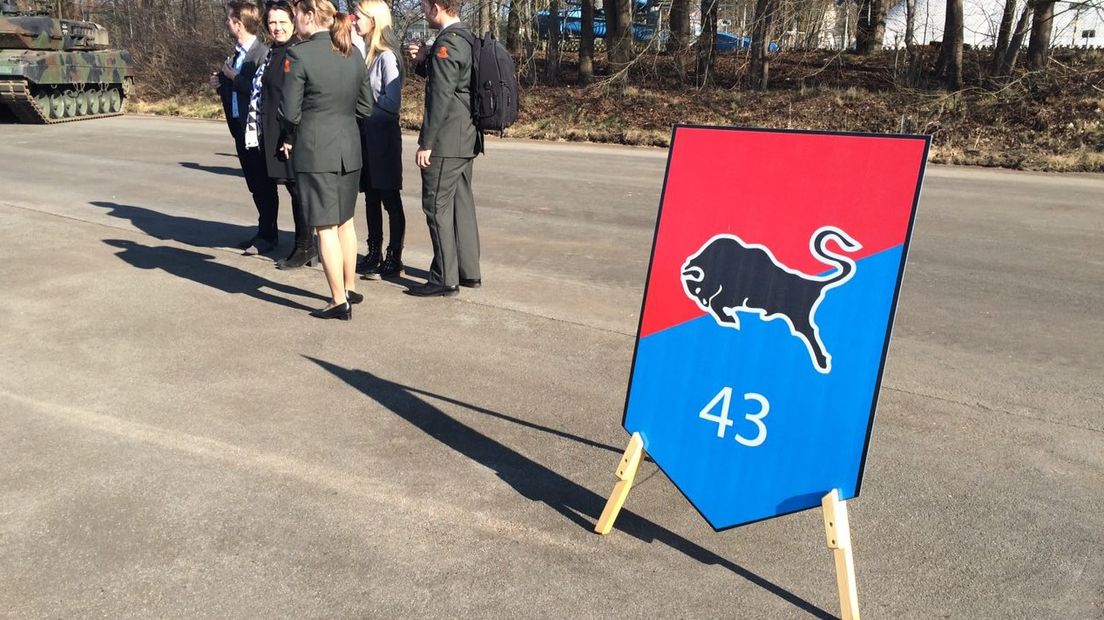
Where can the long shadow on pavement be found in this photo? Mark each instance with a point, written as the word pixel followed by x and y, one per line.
pixel 535 481
pixel 189 230
pixel 518 421
pixel 224 170
pixel 200 268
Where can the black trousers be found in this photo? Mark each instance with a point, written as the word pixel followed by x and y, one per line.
pixel 391 200
pixel 260 185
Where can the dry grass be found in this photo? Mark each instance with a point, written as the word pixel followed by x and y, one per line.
pixel 189 107
pixel 1043 125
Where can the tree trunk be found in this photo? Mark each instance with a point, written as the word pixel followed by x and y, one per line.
pixel 910 25
pixel 555 30
pixel 1014 46
pixel 951 51
pixel 679 40
pixel 870 31
pixel 586 44
pixel 707 42
pixel 1042 28
pixel 1004 33
pixel 619 33
pixel 513 30
pixel 760 46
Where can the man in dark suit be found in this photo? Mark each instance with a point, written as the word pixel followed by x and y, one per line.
pixel 234 82
pixel 448 143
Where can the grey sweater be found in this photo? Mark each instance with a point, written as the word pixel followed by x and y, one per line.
pixel 383 75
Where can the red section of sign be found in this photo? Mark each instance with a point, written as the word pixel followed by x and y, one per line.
pixel 776 189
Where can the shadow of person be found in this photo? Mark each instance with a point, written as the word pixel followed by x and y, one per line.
pixel 405 279
pixel 201 268
pixel 224 170
pixel 535 481
pixel 189 230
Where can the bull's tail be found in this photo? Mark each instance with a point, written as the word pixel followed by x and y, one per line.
pixel 818 245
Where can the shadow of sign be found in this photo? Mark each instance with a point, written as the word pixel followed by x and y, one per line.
pixel 533 480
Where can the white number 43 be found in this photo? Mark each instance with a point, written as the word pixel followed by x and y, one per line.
pixel 723 398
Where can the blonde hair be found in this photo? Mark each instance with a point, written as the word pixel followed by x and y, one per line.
pixel 380 39
pixel 327 16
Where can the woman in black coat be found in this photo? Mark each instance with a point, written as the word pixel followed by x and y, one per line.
pixel 281 27
pixel 381 142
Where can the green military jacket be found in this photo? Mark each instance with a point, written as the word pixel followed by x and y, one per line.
pixel 324 93
pixel 448 129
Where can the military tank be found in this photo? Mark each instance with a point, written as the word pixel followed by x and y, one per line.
pixel 59 70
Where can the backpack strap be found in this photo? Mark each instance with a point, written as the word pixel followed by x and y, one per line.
pixel 473 82
pixel 469 36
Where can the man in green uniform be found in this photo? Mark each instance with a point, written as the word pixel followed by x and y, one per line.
pixel 448 143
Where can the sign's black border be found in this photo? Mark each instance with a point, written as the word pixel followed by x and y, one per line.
pixel 892 308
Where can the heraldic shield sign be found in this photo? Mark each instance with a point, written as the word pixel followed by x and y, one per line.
pixel 774 277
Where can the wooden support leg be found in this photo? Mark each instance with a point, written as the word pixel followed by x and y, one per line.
pixel 838 532
pixel 626 472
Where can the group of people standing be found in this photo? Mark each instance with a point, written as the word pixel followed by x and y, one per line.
pixel 318 112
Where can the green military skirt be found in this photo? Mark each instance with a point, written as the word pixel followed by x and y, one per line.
pixel 329 198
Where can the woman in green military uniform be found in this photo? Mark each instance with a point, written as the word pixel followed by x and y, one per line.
pixel 324 93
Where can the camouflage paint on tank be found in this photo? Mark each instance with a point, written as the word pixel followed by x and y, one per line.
pixel 39 32
pixel 60 68
pixel 56 52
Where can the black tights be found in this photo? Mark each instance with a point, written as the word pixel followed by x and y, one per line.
pixel 391 200
pixel 304 235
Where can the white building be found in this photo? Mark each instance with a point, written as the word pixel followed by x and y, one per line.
pixel 1079 24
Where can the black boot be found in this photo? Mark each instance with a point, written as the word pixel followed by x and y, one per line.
pixel 392 266
pixel 303 254
pixel 368 265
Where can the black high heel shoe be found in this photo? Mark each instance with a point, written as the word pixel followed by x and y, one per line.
pixel 300 257
pixel 342 312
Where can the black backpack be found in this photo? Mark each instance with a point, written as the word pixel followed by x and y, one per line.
pixel 494 83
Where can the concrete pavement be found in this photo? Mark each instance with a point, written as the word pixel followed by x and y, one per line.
pixel 180 439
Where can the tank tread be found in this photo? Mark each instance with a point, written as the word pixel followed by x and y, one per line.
pixel 16 96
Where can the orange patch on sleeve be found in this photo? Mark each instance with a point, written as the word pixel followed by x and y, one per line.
pixel 442 52
pixel 287 65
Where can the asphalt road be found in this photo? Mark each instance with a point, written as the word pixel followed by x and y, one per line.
pixel 179 439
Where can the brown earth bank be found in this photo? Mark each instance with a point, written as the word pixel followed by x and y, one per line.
pixel 1052 121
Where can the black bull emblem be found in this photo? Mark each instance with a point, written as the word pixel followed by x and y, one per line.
pixel 727 276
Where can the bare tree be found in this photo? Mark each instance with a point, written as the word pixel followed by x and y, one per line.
pixel 910 26
pixel 707 42
pixel 486 16
pixel 1008 61
pixel 950 57
pixel 513 29
pixel 586 44
pixel 619 33
pixel 679 40
pixel 760 62
pixel 1004 33
pixel 1042 28
pixel 870 33
pixel 555 30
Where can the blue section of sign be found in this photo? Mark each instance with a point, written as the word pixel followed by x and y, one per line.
pixel 814 433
